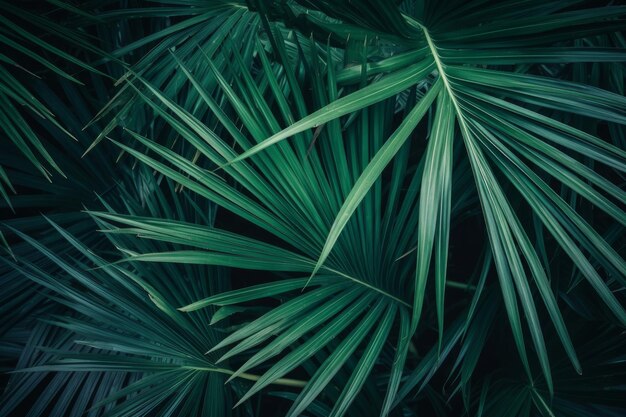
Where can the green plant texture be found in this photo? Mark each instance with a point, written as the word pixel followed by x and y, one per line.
pixel 312 208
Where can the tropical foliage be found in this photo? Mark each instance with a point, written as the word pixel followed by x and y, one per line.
pixel 310 207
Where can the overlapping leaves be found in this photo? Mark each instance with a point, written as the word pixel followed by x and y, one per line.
pixel 351 148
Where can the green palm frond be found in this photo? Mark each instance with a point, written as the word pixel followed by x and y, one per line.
pixel 201 29
pixel 159 352
pixel 62 201
pixel 27 54
pixel 164 347
pixel 357 279
pixel 497 132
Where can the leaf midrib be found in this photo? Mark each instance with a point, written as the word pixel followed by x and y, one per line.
pixel 368 286
pixel 444 78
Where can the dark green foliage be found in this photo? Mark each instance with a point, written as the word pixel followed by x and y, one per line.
pixel 315 208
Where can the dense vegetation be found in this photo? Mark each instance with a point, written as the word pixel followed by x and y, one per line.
pixel 312 207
